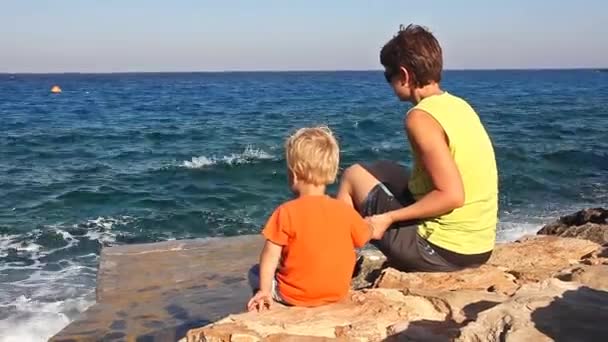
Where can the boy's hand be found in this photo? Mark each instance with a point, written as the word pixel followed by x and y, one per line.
pixel 259 302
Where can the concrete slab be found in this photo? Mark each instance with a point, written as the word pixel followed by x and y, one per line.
pixel 156 292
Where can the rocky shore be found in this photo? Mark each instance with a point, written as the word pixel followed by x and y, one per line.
pixel 550 286
pixel 553 286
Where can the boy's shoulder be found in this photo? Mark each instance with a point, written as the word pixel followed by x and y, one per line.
pixel 317 202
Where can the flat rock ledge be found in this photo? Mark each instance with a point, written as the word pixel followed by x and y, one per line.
pixel 159 291
pixel 539 288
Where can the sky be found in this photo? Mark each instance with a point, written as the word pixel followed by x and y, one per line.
pixel 227 35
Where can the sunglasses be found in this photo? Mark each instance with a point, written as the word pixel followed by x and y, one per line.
pixel 388 75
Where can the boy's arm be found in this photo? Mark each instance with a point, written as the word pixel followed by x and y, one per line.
pixel 361 231
pixel 276 234
pixel 269 261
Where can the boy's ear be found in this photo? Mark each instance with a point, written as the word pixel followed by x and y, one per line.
pixel 294 177
pixel 291 176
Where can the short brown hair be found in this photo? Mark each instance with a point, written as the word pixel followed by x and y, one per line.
pixel 313 155
pixel 418 51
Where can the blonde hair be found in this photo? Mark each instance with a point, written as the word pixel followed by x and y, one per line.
pixel 313 155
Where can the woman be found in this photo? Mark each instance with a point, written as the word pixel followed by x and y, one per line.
pixel 443 216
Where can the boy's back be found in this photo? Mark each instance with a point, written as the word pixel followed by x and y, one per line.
pixel 310 240
pixel 318 235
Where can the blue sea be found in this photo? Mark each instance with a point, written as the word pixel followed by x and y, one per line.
pixel 132 158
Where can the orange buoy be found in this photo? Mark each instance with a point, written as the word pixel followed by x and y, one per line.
pixel 55 89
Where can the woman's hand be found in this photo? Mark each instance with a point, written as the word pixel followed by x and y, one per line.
pixel 261 301
pixel 379 224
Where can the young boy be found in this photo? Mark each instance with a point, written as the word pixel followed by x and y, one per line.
pixel 311 239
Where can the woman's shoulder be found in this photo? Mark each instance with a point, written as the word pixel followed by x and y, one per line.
pixel 444 99
pixel 444 108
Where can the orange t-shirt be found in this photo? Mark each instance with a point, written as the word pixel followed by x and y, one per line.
pixel 319 235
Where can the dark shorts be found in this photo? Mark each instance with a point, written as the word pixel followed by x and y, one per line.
pixel 404 248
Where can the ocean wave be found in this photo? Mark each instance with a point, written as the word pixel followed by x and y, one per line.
pixel 15 242
pixel 101 228
pixel 389 146
pixel 42 242
pixel 579 158
pixel 249 155
pixel 367 123
pixel 95 194
pixel 163 136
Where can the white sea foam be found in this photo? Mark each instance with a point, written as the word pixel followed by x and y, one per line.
pixel 40 303
pixel 99 229
pixel 13 242
pixel 36 320
pixel 46 301
pixel 511 231
pixel 248 155
pixel 388 146
pixel 104 233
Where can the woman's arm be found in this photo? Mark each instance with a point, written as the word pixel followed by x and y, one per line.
pixel 430 141
pixel 428 137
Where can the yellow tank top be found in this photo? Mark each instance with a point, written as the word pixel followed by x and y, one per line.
pixel 470 229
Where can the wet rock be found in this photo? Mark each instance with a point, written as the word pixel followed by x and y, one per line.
pixel 159 291
pixel 590 224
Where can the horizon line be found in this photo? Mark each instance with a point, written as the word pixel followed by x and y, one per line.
pixel 285 71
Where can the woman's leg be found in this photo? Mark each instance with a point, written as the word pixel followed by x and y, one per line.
pixel 380 187
pixel 355 185
pixel 360 179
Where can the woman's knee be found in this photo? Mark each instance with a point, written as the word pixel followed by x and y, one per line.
pixel 358 182
pixel 352 173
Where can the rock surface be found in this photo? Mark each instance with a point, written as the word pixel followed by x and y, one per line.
pixel 545 311
pixel 539 288
pixel 590 224
pixel 368 267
